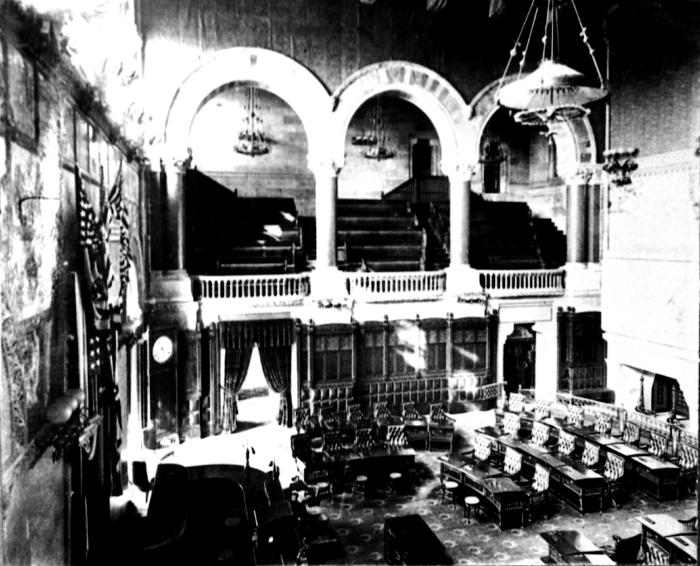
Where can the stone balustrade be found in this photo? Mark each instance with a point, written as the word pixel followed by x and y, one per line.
pixel 522 282
pixel 277 289
pixel 396 286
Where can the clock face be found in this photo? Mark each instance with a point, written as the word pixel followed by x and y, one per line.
pixel 162 349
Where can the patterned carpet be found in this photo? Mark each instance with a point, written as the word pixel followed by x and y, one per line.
pixel 360 521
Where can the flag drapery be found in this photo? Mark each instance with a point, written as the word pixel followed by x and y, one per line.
pixel 94 240
pixel 496 7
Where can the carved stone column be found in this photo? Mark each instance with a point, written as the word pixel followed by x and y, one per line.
pixel 461 278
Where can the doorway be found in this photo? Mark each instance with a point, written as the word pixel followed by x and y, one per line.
pixel 421 158
pixel 519 359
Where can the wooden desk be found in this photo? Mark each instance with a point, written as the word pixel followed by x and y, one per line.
pixel 409 540
pixel 602 439
pixel 573 547
pixel 662 528
pixel 580 487
pixel 501 497
pixel 657 477
pixel 626 451
pixel 684 548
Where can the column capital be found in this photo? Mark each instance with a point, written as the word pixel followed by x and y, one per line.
pixel 460 170
pixel 581 175
pixel 324 166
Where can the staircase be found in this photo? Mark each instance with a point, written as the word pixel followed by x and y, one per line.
pixel 551 242
pixel 230 235
pixel 378 235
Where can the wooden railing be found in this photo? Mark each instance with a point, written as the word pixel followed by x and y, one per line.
pixel 645 422
pixel 522 282
pixel 396 286
pixel 276 288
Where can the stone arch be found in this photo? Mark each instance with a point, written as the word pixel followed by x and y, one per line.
pixel 575 141
pixel 271 71
pixel 431 93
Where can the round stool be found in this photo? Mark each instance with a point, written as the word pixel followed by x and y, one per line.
pixel 471 502
pixel 360 485
pixel 321 488
pixel 448 490
pixel 394 481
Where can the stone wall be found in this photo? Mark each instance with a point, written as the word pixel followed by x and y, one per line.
pixel 41 136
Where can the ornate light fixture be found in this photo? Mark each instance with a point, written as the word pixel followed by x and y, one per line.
pixel 375 136
pixel 554 92
pixel 252 139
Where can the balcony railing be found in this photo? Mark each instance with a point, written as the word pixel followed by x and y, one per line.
pixel 397 286
pixel 287 288
pixel 522 282
pixel 290 289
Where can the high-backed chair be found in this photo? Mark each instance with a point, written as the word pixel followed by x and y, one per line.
pixel 140 477
pixel 302 419
pixel 574 416
pixel 415 426
pixel 631 434
pixel 516 402
pixel 654 554
pixel 482 448
pixel 538 492
pixel 603 424
pixel 327 419
pixel 511 424
pixel 566 443
pixel 441 427
pixel 382 416
pixel 591 455
pixel 625 550
pixel 614 476
pixel 543 409
pixel 354 415
pixel 395 436
pixel 540 434
pixel 512 463
pixel 687 460
pixel 658 444
pixel 363 438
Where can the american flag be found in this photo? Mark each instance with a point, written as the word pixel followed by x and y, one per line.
pixel 86 215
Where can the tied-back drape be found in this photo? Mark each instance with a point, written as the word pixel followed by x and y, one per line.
pixel 274 340
pixel 237 359
pixel 277 366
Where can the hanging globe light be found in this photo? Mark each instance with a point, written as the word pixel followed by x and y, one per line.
pixel 554 91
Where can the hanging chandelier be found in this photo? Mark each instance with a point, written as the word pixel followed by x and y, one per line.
pixel 375 137
pixel 554 92
pixel 252 139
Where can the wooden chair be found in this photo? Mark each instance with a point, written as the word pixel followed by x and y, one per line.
pixel 511 424
pixel 603 424
pixel 516 402
pixel 441 427
pixel 658 444
pixel 512 463
pixel 591 455
pixel 482 448
pixel 614 476
pixel 654 554
pixel 566 444
pixel 302 419
pixel 354 415
pixel 691 523
pixel 539 491
pixel 543 409
pixel 540 434
pixel 632 434
pixel 687 461
pixel 327 419
pixel 625 550
pixel 416 426
pixel 574 416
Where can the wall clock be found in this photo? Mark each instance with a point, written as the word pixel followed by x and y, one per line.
pixel 162 349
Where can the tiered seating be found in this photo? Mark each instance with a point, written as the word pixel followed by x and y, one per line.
pixel 551 242
pixel 231 235
pixel 379 236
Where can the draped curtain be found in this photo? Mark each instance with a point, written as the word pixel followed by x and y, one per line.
pixel 277 366
pixel 274 339
pixel 235 369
